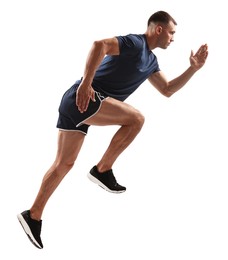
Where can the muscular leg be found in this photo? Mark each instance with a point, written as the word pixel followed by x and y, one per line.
pixel 69 145
pixel 114 112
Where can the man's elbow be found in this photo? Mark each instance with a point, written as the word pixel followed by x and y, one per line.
pixel 167 93
pixel 98 44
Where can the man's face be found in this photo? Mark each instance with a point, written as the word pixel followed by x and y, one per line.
pixel 166 35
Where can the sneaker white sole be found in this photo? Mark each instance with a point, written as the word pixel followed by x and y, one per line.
pixel 28 230
pixel 95 180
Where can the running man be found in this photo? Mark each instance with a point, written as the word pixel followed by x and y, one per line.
pixel 115 68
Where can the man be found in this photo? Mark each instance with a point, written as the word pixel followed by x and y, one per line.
pixel 115 68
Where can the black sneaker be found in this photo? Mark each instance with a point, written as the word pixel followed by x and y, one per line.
pixel 31 227
pixel 105 180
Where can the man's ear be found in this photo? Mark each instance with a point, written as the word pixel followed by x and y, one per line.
pixel 158 29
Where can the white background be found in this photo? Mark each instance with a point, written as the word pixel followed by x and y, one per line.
pixel 175 171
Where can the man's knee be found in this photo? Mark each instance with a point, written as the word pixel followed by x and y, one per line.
pixel 63 166
pixel 137 120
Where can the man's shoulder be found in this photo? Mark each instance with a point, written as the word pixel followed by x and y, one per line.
pixel 132 40
pixel 133 36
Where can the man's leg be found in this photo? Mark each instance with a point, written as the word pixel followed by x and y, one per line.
pixel 69 145
pixel 114 112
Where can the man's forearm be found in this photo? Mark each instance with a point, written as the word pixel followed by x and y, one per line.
pixel 177 83
pixel 94 59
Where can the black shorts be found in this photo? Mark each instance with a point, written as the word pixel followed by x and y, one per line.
pixel 70 118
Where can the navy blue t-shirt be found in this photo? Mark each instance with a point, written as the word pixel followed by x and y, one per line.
pixel 120 75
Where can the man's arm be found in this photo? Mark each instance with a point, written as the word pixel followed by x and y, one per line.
pixel 96 55
pixel 168 88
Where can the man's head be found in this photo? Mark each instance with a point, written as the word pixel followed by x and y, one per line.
pixel 161 17
pixel 161 26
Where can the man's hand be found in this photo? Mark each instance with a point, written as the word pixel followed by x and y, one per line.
pixel 84 94
pixel 197 60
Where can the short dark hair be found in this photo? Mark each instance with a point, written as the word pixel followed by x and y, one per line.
pixel 161 17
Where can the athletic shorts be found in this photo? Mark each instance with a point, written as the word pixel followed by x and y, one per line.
pixel 70 118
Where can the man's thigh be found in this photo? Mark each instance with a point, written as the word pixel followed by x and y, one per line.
pixel 113 112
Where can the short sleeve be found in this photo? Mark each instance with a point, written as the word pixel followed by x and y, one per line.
pixel 129 44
